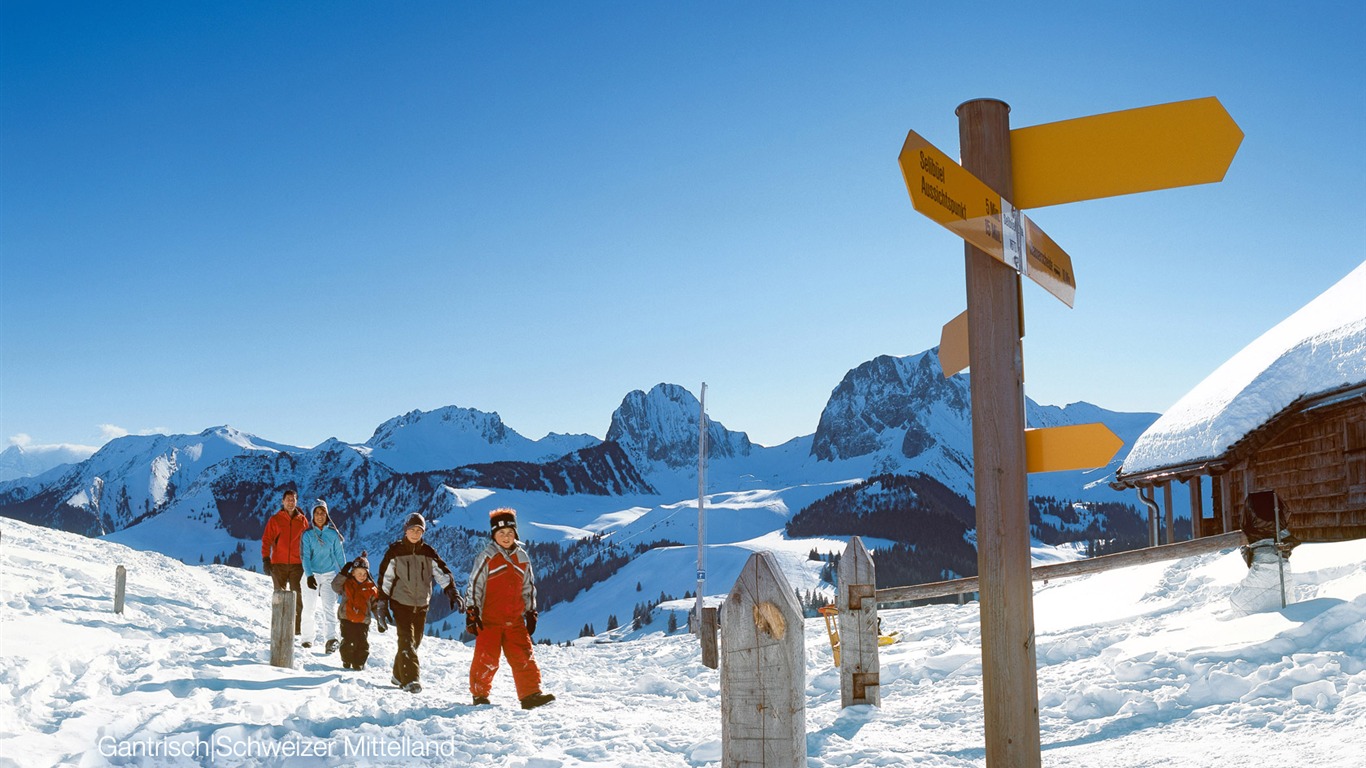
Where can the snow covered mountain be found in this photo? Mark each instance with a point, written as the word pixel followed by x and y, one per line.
pixel 426 441
pixel 900 415
pixel 659 428
pixel 1138 668
pixel 19 461
pixel 204 498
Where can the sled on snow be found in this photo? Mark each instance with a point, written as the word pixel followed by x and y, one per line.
pixel 830 612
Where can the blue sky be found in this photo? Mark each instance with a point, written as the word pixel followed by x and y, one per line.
pixel 302 219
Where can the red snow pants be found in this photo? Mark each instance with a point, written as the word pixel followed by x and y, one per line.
pixel 515 643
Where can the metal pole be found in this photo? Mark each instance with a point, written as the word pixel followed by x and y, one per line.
pixel 701 507
pixel 1009 665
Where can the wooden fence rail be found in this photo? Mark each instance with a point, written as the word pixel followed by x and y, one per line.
pixel 1073 568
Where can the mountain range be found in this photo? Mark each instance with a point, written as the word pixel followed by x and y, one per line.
pixel 205 497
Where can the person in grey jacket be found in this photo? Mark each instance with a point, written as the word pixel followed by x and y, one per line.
pixel 406 574
pixel 322 555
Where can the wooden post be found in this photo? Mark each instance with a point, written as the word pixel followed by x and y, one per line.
pixel 120 585
pixel 763 679
pixel 1197 513
pixel 857 603
pixel 1168 536
pixel 282 628
pixel 710 658
pixel 1009 671
pixel 1227 507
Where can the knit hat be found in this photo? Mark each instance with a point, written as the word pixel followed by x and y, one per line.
pixel 320 504
pixel 361 562
pixel 415 519
pixel 503 517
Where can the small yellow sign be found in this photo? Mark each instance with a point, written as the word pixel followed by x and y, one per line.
pixel 953 345
pixel 1079 446
pixel 1119 153
pixel 953 197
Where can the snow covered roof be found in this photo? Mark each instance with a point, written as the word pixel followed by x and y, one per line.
pixel 1319 349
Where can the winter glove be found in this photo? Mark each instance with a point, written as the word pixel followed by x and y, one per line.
pixel 472 622
pixel 381 617
pixel 453 595
pixel 530 618
pixel 265 565
pixel 312 582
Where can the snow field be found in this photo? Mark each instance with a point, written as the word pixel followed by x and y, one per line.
pixel 1140 667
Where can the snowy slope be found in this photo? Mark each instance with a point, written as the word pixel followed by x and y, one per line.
pixel 1137 669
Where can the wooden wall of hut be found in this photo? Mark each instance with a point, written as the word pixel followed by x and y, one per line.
pixel 1315 460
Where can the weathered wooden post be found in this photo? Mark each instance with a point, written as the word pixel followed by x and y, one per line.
pixel 859 667
pixel 763 679
pixel 282 629
pixel 1009 668
pixel 120 585
pixel 710 657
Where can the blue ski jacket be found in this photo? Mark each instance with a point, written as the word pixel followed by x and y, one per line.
pixel 320 550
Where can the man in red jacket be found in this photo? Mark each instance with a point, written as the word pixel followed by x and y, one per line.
pixel 280 551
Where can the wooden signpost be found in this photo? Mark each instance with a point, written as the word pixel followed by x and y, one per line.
pixel 1004 171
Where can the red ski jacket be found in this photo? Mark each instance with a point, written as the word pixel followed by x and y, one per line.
pixel 280 542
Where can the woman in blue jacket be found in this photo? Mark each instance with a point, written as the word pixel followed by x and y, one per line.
pixel 321 552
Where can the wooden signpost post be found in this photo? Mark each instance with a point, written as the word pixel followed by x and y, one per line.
pixel 1003 172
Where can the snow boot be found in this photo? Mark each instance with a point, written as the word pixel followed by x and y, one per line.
pixel 308 644
pixel 537 699
pixel 413 687
pixel 481 701
pixel 331 645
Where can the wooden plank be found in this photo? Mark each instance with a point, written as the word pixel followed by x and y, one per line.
pixel 1226 509
pixel 1197 510
pixel 282 628
pixel 120 585
pixel 763 674
pixel 1168 536
pixel 1180 549
pixel 710 657
pixel 1009 666
pixel 859 666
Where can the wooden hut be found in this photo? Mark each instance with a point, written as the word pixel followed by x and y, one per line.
pixel 1286 414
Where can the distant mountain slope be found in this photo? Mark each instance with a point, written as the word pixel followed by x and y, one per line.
pixel 19 461
pixel 427 441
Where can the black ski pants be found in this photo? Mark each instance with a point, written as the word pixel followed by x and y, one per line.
pixel 409 622
pixel 355 643
pixel 288 576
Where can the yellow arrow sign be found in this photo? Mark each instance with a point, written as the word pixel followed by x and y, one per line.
pixel 1080 446
pixel 950 195
pixel 1118 153
pixel 953 345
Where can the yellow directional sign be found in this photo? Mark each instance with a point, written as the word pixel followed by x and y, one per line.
pixel 950 195
pixel 953 345
pixel 1118 153
pixel 1080 446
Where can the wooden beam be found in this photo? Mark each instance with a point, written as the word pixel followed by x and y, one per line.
pixel 1175 551
pixel 1226 494
pixel 1009 666
pixel 763 670
pixel 1167 508
pixel 1197 511
pixel 859 666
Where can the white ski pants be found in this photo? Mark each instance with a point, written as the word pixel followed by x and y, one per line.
pixel 323 597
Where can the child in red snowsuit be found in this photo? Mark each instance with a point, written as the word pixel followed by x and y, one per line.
pixel 358 596
pixel 501 614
